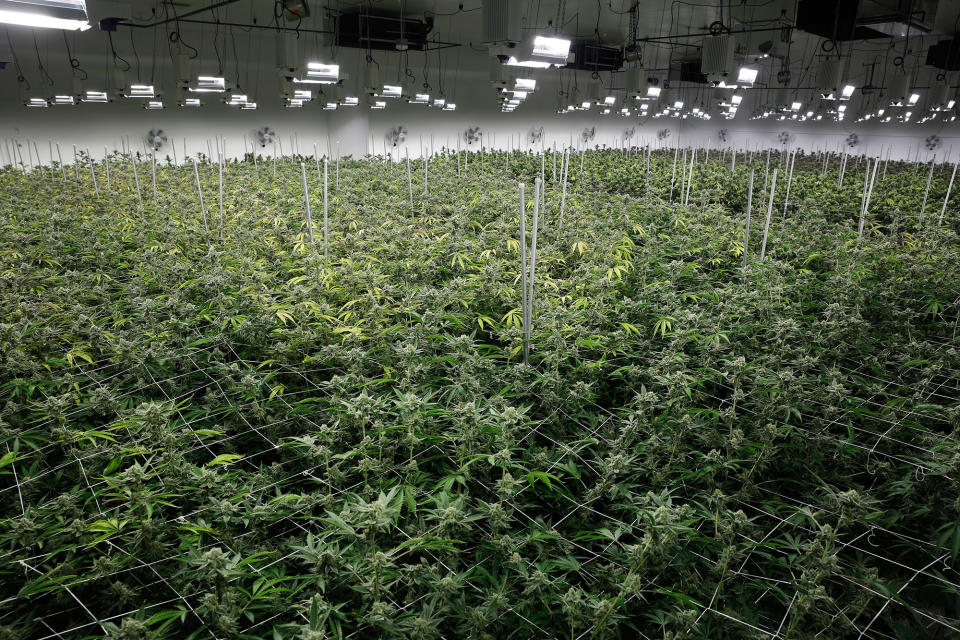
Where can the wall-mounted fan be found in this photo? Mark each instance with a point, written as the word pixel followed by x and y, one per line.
pixel 397 135
pixel 588 133
pixel 853 140
pixel 663 134
pixel 629 132
pixel 784 137
pixel 723 135
pixel 933 142
pixel 266 136
pixel 156 139
pixel 534 135
pixel 472 134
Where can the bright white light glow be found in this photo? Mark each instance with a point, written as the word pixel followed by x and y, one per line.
pixel 610 100
pixel 525 84
pixel 192 102
pixel 551 48
pixel 585 105
pixel 847 92
pixel 36 102
pixel 951 103
pixel 520 95
pixel 530 64
pixel 653 92
pixel 736 99
pixel 249 106
pixel 913 99
pixel 420 98
pixel 154 104
pixel 678 104
pixel 33 17
pixel 293 103
pixel 303 94
pixel 644 106
pixel 350 101
pixel 237 99
pixel 210 84
pixel 141 91
pixel 379 104
pixel 330 106
pixel 63 100
pixel 319 73
pixel 450 106
pixel 747 76
pixel 391 91
pixel 95 96
pixel 795 106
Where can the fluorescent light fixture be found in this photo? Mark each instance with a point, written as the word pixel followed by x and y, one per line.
pixel 391 91
pixel 248 106
pixel 95 96
pixel 530 64
pixel 153 104
pixel 210 84
pixel 678 104
pixel 192 102
pixel 525 84
pixel 140 91
pixel 70 15
pixel 350 101
pixel 439 102
pixel 554 50
pixel 795 106
pixel 736 100
pixel 913 99
pixel 36 102
pixel 653 92
pixel 237 100
pixel 450 106
pixel 610 100
pixel 379 104
pixel 847 92
pixel 293 103
pixel 747 76
pixel 420 98
pixel 951 104
pixel 63 100
pixel 520 95
pixel 319 73
pixel 304 95
pixel 585 105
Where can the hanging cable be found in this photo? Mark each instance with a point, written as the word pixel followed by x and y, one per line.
pixel 74 63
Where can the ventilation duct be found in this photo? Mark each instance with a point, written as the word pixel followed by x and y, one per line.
pixel 716 61
pixel 590 56
pixel 382 32
pixel 502 22
pixel 865 19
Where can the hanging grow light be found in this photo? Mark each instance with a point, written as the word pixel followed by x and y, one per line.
pixel 391 91
pixel 319 73
pixel 747 76
pixel 140 91
pixel 36 102
pixel 153 104
pixel 379 104
pixel 209 84
pixel 350 101
pixel 524 84
pixel 63 100
pixel 293 103
pixel 330 106
pixel 70 15
pixel 450 106
pixel 191 102
pixel 653 92
pixel 237 100
pixel 420 98
pixel 553 50
pixel 439 102
pixel 248 106
pixel 95 96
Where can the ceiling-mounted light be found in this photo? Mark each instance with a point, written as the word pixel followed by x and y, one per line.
pixel 248 106
pixel 553 50
pixel 524 84
pixel 293 103
pixel 420 98
pixel 209 84
pixel 95 96
pixel 610 100
pixel 379 104
pixel 795 106
pixel 191 102
pixel 391 91
pixel 319 73
pixel 520 95
pixel 36 102
pixel 350 101
pixel 747 76
pixel 237 100
pixel 140 91
pixel 70 15
pixel 913 99
pixel 153 104
pixel 63 100
pixel 653 92
pixel 450 106
pixel 847 92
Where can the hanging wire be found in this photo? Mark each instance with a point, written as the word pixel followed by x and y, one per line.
pixel 43 70
pixel 136 56
pixel 16 62
pixel 74 63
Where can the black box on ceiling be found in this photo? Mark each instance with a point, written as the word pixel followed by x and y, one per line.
pixel 382 32
pixel 834 19
pixel 945 55
pixel 686 71
pixel 590 56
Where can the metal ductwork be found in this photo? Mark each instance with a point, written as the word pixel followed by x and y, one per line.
pixel 865 19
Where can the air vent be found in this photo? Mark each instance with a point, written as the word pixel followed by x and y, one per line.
pixel 501 21
pixel 865 19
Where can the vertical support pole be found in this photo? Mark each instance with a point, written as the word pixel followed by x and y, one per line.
pixel 786 200
pixel 746 234
pixel 153 167
pixel 863 200
pixel 338 167
pixel 203 210
pixel 93 174
pixel 220 165
pixel 409 178
pixel 523 271
pixel 106 166
pixel 326 224
pixel 63 169
pixel 926 193
pixel 766 227
pixel 946 199
pixel 538 188
pixel 564 170
pixel 306 201
pixel 136 180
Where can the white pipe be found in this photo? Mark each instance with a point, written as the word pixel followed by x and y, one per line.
pixel 523 270
pixel 203 210
pixel 326 225
pixel 746 234
pixel 766 228
pixel 949 188
pixel 306 200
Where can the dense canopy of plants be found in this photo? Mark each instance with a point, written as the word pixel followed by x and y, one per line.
pixel 210 430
